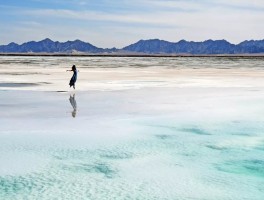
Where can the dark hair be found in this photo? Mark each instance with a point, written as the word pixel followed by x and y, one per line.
pixel 73 67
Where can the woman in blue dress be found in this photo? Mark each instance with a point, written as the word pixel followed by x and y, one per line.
pixel 74 76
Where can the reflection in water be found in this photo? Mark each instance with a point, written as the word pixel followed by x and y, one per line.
pixel 74 105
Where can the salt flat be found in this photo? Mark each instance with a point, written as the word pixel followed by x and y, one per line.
pixel 185 128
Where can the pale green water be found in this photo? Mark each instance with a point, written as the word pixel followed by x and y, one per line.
pixel 201 144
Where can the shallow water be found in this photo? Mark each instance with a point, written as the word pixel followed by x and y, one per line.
pixel 202 143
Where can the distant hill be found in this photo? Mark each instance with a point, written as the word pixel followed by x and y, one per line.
pixel 153 46
pixel 206 47
pixel 49 46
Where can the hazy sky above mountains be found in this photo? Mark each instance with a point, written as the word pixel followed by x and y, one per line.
pixel 109 23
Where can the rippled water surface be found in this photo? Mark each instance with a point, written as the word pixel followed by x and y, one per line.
pixel 156 141
pixel 135 62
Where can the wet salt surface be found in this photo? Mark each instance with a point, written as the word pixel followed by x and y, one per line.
pixel 135 128
pixel 104 73
pixel 169 143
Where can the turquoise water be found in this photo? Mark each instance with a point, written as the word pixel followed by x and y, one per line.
pixel 181 144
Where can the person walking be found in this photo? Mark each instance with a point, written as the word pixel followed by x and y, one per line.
pixel 74 76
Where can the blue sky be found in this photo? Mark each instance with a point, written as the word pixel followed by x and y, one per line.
pixel 109 23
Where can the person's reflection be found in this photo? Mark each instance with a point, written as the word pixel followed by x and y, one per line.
pixel 74 105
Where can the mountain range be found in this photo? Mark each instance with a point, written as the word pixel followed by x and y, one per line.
pixel 153 46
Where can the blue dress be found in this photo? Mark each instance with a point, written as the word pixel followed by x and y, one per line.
pixel 73 78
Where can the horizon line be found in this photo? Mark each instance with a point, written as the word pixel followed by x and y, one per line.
pixel 132 43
